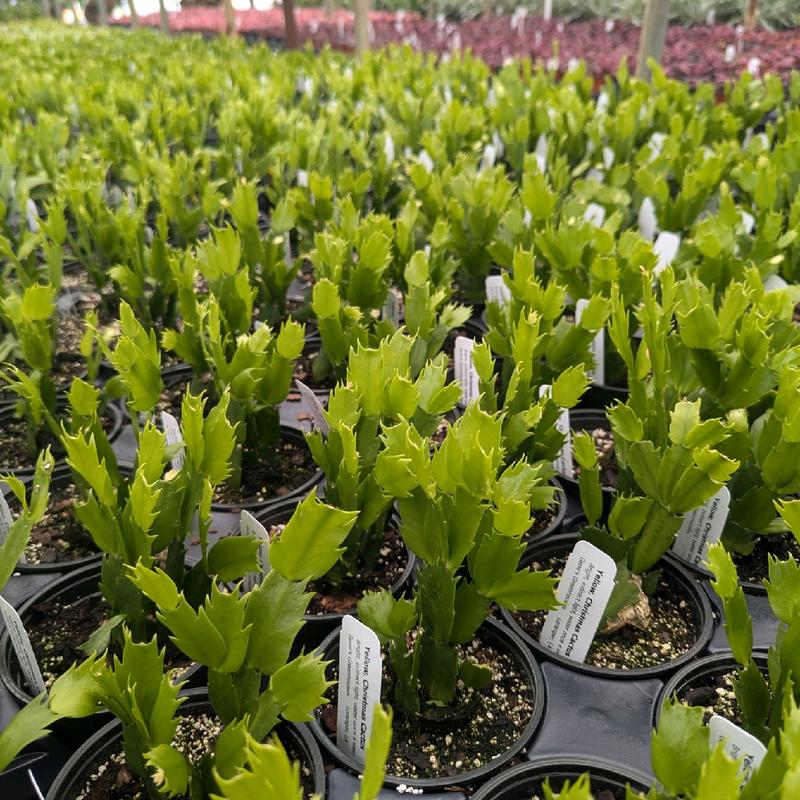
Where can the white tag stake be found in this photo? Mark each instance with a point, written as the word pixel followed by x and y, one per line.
pixel 22 647
pixel 547 10
pixel 595 214
pixel 563 463
pixel 666 248
pixel 393 309
pixel 496 290
pixel 584 589
pixel 774 283
pixel 316 407
pixel 172 432
pixel 598 347
pixel 648 224
pixel 748 221
pixel 739 744
pixel 250 526
pixel 541 153
pixel 359 686
pixel 388 148
pixel 701 528
pixel 466 375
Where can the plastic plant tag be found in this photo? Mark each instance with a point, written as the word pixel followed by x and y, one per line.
pixel 6 521
pixel 315 405
pixel 32 216
pixel 774 283
pixel 489 157
pixel 497 143
pixel 302 178
pixel 595 214
pixel 250 526
pixel 359 686
pixel 547 10
pixel 648 224
pixel 22 647
pixel 496 290
pixel 393 307
pixel 172 432
pixel 730 53
pixel 608 157
pixel 739 744
pixel 466 376
pixel 388 148
pixel 701 528
pixel 666 248
pixel 584 589
pixel 598 347
pixel 748 221
pixel 596 175
pixel 602 103
pixel 541 153
pixel 287 250
pixel 563 462
pixel 426 160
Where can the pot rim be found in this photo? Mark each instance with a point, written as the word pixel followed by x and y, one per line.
pixel 525 660
pixel 495 788
pixel 82 757
pixel 702 666
pixel 693 592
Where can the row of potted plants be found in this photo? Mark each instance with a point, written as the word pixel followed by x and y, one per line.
pixel 181 284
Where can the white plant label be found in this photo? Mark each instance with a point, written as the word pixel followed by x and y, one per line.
pixel 466 375
pixel 541 153
pixel 748 222
pixel 608 157
pixel 359 686
pixel 739 744
pixel 596 175
pixel 563 463
pixel 172 432
pixel 393 307
pixel 547 10
pixel 302 178
pixel 595 214
pixel 489 157
pixel 497 291
pixel 598 347
pixel 701 528
pixel 388 148
pixel 584 589
pixel 666 248
pixel 32 215
pixel 602 103
pixel 497 143
pixel 648 224
pixel 287 250
pixel 317 411
pixel 22 647
pixel 774 283
pixel 730 53
pixel 426 160
pixel 6 519
pixel 250 526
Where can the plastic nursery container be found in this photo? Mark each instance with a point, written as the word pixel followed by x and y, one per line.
pixel 691 592
pixel 710 667
pixel 526 780
pixel 319 626
pixel 80 584
pixel 108 740
pixel 499 637
pixel 110 412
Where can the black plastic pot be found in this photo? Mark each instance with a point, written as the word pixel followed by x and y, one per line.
pixel 499 637
pixel 588 419
pixel 108 740
pixel 526 780
pixel 62 476
pixel 693 594
pixel 110 412
pixel 319 626
pixel 711 666
pixel 76 585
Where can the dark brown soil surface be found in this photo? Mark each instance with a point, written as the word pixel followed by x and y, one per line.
pixel 714 693
pixel 286 468
pixel 487 722
pixel 303 370
pixel 754 567
pixel 59 537
pixel 670 634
